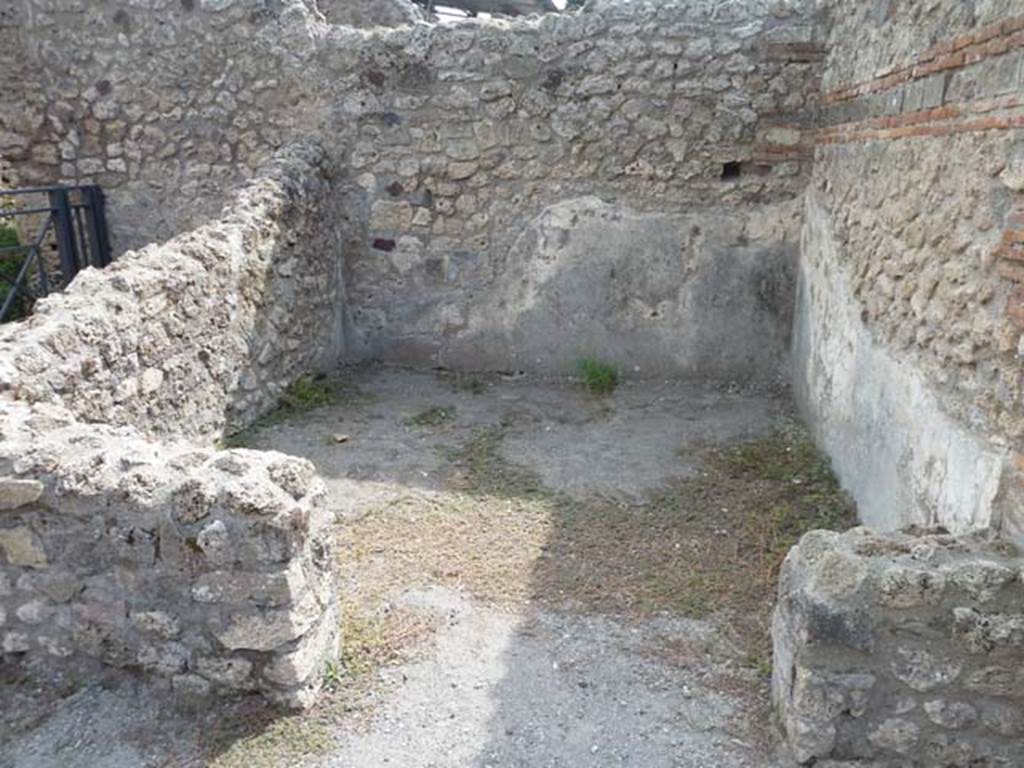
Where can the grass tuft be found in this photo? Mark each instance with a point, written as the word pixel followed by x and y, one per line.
pixel 308 393
pixel 434 416
pixel 599 377
pixel 305 394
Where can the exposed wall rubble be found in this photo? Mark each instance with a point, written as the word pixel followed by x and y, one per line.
pixel 370 13
pixel 909 338
pixel 900 649
pixel 209 569
pixel 165 103
pixel 639 181
pixel 201 333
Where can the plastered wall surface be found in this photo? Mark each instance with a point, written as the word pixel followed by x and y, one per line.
pixel 471 141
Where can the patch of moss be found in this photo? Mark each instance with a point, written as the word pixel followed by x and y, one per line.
pixel 308 393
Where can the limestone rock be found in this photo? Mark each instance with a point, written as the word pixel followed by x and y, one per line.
pixel 275 588
pixel 231 672
pixel 1013 174
pixel 22 548
pixel 900 736
pixel 922 670
pixel 931 670
pixel 17 492
pixel 15 642
pixel 157 623
pixel 299 665
pixel 268 630
pixel 951 714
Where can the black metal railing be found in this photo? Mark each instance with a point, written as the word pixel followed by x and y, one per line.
pixel 63 236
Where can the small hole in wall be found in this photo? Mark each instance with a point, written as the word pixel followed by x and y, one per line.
pixel 123 21
pixel 731 170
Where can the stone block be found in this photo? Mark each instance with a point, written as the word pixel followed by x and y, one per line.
pixel 933 91
pixel 231 672
pixel 15 642
pixel 157 623
pixel 275 588
pixel 22 548
pixel 19 492
pixel 939 663
pixel 268 630
pixel 299 665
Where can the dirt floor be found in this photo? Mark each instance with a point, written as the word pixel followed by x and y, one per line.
pixel 531 576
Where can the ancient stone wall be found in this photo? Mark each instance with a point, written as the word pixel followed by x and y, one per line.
pixel 200 334
pixel 466 154
pixel 211 570
pixel 909 339
pixel 208 569
pixel 629 181
pixel 900 650
pixel 165 103
pixel 370 13
pixel 619 182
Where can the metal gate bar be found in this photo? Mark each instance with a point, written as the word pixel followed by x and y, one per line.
pixel 75 222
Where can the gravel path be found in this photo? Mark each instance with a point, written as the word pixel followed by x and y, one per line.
pixel 551 690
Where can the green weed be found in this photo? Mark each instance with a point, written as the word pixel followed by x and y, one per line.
pixel 434 416
pixel 598 377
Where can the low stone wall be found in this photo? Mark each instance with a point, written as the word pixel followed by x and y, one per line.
pixel 209 568
pixel 901 649
pixel 212 570
pixel 202 333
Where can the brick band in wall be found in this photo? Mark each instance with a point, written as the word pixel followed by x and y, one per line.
pixel 969 84
pixel 983 43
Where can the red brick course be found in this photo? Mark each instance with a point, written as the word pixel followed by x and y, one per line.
pixel 998 114
pixel 992 40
